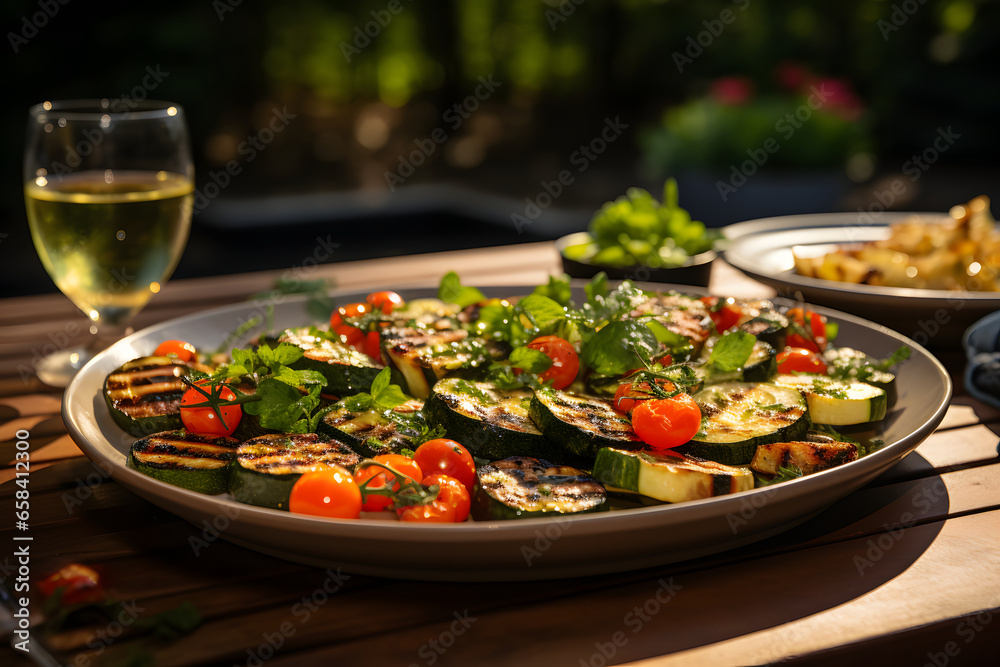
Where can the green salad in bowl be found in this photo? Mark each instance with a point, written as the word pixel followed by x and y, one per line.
pixel 636 235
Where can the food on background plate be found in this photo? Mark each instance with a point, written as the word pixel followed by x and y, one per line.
pixel 959 252
pixel 534 407
pixel 636 229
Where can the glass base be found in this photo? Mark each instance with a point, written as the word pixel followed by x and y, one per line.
pixel 57 369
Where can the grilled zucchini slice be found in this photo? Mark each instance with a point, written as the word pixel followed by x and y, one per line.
pixel 423 357
pixel 188 460
pixel 266 468
pixel 346 370
pixel 373 432
pixel 809 457
pixel 667 476
pixel 492 423
pixel 836 402
pixel 144 395
pixel 850 364
pixel 581 424
pixel 521 487
pixel 739 416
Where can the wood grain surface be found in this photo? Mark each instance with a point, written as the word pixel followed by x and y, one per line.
pixel 906 571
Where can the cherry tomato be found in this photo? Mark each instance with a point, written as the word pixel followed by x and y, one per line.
pixel 666 422
pixel 450 492
pixel 79 583
pixel 386 301
pixel 330 493
pixel 183 350
pixel 629 394
pixel 447 457
pixel 338 318
pixel 814 326
pixel 725 315
pixel 436 512
pixel 380 477
pixel 800 360
pixel 373 345
pixel 565 362
pixel 204 420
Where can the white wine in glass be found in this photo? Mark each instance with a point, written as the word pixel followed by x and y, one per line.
pixel 109 198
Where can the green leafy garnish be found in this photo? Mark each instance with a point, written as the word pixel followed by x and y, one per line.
pixel 451 290
pixel 732 350
pixel 557 289
pixel 620 347
pixel 530 360
pixel 785 474
pixel 383 396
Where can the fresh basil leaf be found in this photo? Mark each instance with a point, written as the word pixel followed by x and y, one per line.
pixel 357 403
pixel 620 347
pixel 540 310
pixel 674 341
pixel 287 354
pixel 530 360
pixel 390 397
pixel 287 375
pixel 597 288
pixel 311 378
pixel 557 289
pixel 380 382
pixel 732 350
pixel 451 290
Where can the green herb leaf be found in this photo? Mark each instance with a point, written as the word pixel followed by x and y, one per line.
pixel 530 360
pixel 785 474
pixel 451 290
pixel 541 311
pixel 620 347
pixel 901 354
pixel 732 350
pixel 557 289
pixel 597 288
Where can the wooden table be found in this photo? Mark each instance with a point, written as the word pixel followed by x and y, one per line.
pixel 853 585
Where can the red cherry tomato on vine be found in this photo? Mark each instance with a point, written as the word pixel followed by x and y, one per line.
pixel 380 477
pixel 666 422
pixel 183 350
pixel 331 493
pixel 725 313
pixel 385 301
pixel 814 330
pixel 450 492
pixel 447 457
pixel 565 362
pixel 800 360
pixel 435 512
pixel 630 394
pixel 79 583
pixel 204 420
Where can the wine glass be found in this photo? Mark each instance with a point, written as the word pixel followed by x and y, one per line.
pixel 108 187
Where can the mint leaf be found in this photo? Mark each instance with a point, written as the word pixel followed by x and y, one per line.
pixel 557 289
pixel 540 310
pixel 674 341
pixel 620 347
pixel 380 382
pixel 732 350
pixel 282 405
pixel 451 290
pixel 286 354
pixel 390 397
pixel 530 360
pixel 597 288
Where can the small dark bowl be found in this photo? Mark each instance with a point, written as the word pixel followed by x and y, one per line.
pixel 697 271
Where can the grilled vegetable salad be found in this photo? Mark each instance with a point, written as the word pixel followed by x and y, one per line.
pixel 433 409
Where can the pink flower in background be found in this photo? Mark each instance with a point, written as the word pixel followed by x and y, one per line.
pixel 734 90
pixel 840 98
pixel 792 76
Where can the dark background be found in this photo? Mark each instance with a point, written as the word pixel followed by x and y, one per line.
pixel 903 70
